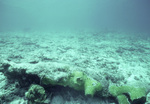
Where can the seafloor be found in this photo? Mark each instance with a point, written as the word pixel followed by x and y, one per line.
pixel 112 58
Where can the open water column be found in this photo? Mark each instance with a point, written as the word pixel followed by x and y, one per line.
pixel 74 52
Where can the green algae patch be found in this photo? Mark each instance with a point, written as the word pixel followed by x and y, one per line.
pixel 135 94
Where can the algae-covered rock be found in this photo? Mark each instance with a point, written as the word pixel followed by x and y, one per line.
pixel 36 95
pixel 91 86
pixel 135 94
pixel 78 81
pixel 148 98
pixel 50 81
pixel 115 90
pixel 122 99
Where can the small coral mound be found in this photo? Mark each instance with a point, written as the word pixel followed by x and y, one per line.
pixel 36 95
pixel 136 95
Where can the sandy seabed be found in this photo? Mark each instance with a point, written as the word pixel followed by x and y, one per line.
pixel 111 58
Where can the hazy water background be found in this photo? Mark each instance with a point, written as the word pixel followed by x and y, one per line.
pixel 25 15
